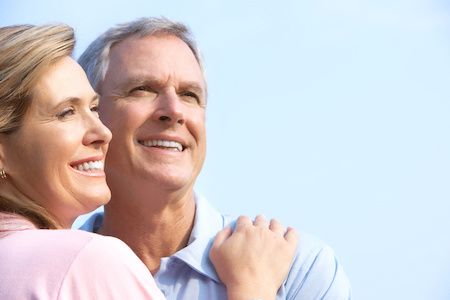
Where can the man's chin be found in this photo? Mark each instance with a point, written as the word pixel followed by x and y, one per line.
pixel 170 180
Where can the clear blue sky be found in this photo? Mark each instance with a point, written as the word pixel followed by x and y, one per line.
pixel 330 115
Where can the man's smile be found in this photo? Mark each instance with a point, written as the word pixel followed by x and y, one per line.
pixel 165 144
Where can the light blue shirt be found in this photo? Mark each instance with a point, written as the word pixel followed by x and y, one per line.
pixel 189 274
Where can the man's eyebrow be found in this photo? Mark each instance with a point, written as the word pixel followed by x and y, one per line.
pixel 133 81
pixel 148 80
pixel 140 79
pixel 193 85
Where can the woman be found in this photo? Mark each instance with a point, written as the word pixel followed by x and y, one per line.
pixel 52 151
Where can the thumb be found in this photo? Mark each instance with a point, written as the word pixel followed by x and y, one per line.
pixel 222 236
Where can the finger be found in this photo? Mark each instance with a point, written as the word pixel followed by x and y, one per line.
pixel 277 227
pixel 242 223
pixel 291 236
pixel 260 221
pixel 222 236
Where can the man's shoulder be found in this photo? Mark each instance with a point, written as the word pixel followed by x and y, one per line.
pixel 316 272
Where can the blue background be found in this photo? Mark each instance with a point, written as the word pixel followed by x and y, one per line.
pixel 330 115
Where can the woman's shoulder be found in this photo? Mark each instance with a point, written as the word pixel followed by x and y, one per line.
pixel 99 249
pixel 44 243
pixel 55 250
pixel 75 265
pixel 107 268
pixel 75 247
pixel 64 242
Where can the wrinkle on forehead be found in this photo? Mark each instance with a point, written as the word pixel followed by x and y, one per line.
pixel 154 60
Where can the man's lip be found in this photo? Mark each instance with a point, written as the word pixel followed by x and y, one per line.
pixel 164 138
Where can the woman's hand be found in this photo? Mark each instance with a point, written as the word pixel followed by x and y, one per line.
pixel 253 261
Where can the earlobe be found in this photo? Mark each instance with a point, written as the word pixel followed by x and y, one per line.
pixel 3 171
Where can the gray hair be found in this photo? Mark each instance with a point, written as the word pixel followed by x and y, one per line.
pixel 95 59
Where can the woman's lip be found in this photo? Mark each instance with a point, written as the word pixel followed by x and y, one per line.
pixel 93 173
pixel 90 166
pixel 88 159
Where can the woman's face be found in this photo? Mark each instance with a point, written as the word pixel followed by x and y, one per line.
pixel 56 157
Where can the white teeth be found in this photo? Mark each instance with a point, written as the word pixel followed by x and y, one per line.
pixel 164 143
pixel 89 166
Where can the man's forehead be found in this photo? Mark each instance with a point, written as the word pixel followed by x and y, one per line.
pixel 145 58
pixel 150 44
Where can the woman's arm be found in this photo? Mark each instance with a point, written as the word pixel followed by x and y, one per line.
pixel 106 268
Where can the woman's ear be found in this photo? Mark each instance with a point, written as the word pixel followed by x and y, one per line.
pixel 3 138
pixel 7 151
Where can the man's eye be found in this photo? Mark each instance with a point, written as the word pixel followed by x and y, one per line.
pixel 191 96
pixel 66 112
pixel 142 91
pixel 140 88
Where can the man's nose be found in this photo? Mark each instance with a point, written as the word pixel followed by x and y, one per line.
pixel 169 109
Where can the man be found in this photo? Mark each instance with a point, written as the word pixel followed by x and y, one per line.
pixel 153 97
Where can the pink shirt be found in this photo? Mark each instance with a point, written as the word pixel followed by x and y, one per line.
pixel 68 264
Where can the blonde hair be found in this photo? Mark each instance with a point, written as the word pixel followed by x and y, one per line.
pixel 26 52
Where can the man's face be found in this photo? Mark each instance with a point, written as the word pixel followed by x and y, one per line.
pixel 153 100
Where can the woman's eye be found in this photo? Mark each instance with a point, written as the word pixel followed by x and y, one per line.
pixel 66 112
pixel 95 109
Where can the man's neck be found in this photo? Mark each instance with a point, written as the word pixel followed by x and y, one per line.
pixel 153 228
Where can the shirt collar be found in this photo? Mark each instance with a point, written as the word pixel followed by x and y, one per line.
pixel 93 223
pixel 208 221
